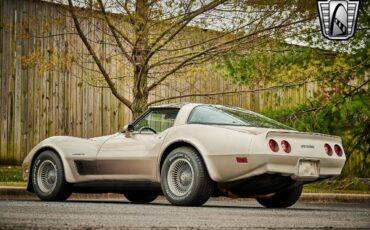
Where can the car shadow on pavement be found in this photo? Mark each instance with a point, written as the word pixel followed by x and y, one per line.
pixel 216 206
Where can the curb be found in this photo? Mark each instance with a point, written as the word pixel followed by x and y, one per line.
pixel 335 198
pixel 20 193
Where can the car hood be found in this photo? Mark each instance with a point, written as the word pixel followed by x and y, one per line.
pixel 103 139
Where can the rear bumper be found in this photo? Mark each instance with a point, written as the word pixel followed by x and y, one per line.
pixel 224 168
pixel 264 184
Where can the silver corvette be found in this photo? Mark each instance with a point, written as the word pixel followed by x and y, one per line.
pixel 188 152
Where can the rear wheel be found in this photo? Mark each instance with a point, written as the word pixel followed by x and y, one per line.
pixel 184 178
pixel 141 197
pixel 282 199
pixel 48 178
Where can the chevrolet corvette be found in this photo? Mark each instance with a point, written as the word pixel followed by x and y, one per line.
pixel 187 152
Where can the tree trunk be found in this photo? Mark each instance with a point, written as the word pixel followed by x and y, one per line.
pixel 140 53
pixel 138 106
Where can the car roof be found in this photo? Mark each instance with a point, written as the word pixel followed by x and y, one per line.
pixel 172 105
pixel 187 104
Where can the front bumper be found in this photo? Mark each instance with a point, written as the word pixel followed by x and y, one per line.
pixel 26 171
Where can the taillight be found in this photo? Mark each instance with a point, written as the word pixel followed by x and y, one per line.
pixel 328 149
pixel 273 145
pixel 285 146
pixel 241 160
pixel 338 150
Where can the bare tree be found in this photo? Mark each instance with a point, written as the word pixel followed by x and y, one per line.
pixel 160 38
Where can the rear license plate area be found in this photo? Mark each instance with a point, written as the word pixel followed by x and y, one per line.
pixel 308 168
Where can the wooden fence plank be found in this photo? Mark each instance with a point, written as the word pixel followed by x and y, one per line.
pixel 2 77
pixel 4 80
pixel 11 85
pixel 24 79
pixel 46 53
pixel 17 82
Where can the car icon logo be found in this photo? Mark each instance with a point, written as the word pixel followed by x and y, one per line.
pixel 338 18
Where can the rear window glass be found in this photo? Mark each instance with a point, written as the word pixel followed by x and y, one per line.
pixel 222 115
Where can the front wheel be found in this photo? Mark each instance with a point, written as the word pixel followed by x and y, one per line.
pixel 184 178
pixel 282 199
pixel 48 178
pixel 141 197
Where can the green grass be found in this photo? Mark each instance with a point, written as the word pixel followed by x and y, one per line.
pixel 346 185
pixel 13 184
pixel 11 176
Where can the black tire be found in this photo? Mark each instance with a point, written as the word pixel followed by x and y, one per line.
pixel 200 188
pixel 60 190
pixel 141 197
pixel 282 199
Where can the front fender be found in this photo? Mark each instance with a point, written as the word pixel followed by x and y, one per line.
pixel 68 149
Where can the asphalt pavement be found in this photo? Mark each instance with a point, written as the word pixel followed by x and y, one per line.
pixel 215 214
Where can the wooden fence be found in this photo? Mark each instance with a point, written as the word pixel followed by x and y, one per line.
pixel 44 91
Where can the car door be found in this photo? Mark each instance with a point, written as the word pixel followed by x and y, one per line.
pixel 135 156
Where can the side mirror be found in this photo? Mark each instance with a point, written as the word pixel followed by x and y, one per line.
pixel 128 130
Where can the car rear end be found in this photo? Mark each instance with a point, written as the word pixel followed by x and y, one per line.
pixel 302 156
pixel 280 160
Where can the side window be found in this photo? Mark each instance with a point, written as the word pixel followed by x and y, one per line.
pixel 158 119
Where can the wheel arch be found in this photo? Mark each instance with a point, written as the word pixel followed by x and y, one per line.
pixel 181 143
pixel 34 157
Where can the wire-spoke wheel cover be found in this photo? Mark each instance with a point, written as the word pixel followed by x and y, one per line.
pixel 47 176
pixel 180 177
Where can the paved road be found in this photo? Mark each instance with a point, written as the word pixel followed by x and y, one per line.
pixel 226 214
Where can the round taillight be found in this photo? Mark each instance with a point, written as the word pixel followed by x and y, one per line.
pixel 328 149
pixel 338 150
pixel 273 145
pixel 285 146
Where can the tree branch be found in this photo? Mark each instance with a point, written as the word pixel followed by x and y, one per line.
pixel 96 59
pixel 183 22
pixel 236 91
pixel 319 108
pixel 114 32
pixel 155 84
pixel 222 35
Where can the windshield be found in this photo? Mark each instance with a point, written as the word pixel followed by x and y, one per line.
pixel 221 115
